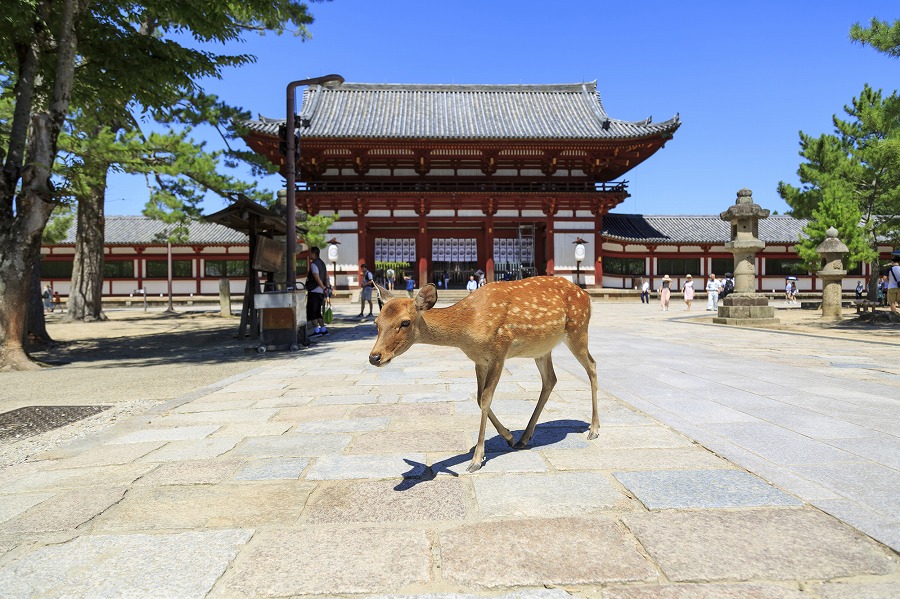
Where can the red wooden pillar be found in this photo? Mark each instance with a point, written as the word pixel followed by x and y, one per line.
pixel 362 236
pixel 488 258
pixel 598 247
pixel 423 253
pixel 550 210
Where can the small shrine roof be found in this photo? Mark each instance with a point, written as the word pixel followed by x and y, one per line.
pixel 414 111
pixel 639 228
pixel 142 230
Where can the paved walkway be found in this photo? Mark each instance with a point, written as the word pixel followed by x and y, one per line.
pixel 730 463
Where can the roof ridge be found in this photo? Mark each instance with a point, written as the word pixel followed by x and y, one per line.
pixel 537 87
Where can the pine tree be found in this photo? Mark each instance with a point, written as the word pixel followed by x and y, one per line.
pixel 881 35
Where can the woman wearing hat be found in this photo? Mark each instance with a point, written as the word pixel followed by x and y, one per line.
pixel 665 293
pixel 689 291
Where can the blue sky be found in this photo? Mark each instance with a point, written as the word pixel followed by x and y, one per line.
pixel 745 77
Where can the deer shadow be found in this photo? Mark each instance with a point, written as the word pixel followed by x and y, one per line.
pixel 557 434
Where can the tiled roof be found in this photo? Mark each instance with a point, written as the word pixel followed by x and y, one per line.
pixel 405 111
pixel 639 228
pixel 130 230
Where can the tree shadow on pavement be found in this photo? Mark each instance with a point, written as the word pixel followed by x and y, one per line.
pixel 547 433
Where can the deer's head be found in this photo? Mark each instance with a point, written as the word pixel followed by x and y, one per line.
pixel 400 323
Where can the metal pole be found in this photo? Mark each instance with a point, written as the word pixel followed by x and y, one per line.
pixel 169 252
pixel 290 169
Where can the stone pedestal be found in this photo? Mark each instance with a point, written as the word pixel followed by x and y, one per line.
pixel 832 251
pixel 745 307
pixel 746 310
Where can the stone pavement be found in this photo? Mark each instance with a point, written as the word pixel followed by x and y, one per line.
pixel 319 475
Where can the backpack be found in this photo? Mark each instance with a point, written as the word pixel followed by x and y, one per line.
pixel 729 286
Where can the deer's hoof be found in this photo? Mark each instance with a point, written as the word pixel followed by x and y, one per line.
pixel 592 435
pixel 521 444
pixel 474 467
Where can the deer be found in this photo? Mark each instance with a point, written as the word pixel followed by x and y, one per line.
pixel 501 320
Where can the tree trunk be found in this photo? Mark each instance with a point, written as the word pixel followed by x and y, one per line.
pixel 86 296
pixel 21 227
pixel 37 322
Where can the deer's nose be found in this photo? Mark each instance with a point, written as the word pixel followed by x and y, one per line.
pixel 374 359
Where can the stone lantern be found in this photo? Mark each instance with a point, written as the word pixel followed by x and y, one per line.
pixel 745 307
pixel 832 251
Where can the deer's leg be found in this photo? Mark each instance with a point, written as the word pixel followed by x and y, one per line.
pixel 504 432
pixel 491 378
pixel 548 378
pixel 578 344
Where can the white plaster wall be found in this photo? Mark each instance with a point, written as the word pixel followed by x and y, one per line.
pixel 564 253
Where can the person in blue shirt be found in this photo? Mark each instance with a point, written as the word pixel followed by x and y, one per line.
pixel 472 285
pixel 410 286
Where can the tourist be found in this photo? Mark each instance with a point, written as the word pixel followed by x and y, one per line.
pixel 48 298
pixel 410 286
pixel 365 294
pixel 57 302
pixel 446 280
pixel 893 284
pixel 859 290
pixel 689 291
pixel 472 285
pixel 712 293
pixel 793 292
pixel 787 291
pixel 645 292
pixel 665 293
pixel 391 275
pixel 316 283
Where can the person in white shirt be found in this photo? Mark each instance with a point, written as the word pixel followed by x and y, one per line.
pixel 472 285
pixel 712 292
pixel 645 292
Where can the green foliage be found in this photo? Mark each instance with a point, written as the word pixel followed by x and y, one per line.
pixel 858 165
pixel 316 227
pixel 59 224
pixel 881 35
pixel 839 210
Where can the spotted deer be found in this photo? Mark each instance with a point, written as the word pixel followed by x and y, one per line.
pixel 517 319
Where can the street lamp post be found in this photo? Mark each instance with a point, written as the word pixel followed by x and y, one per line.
pixel 333 257
pixel 290 173
pixel 579 257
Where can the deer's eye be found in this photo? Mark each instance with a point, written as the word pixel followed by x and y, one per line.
pixel 405 323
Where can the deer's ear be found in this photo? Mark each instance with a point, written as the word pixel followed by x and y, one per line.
pixel 384 293
pixel 426 298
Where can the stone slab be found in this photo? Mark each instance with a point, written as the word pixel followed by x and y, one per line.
pixel 273 469
pixel 291 445
pixel 705 591
pixel 411 500
pixel 337 467
pixel 193 472
pixel 857 590
pixel 560 435
pixel 175 565
pixel 757 544
pixel 201 449
pixel 252 429
pixel 65 511
pixel 639 437
pixel 634 459
pixel 411 441
pixel 354 398
pixel 667 489
pixel 495 463
pixel 572 551
pixel 182 433
pixel 554 494
pixel 404 411
pixel 313 561
pixel 13 505
pixel 73 478
pixel 102 455
pixel 345 425
pixel 197 506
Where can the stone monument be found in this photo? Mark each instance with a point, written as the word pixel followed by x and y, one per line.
pixel 745 307
pixel 832 251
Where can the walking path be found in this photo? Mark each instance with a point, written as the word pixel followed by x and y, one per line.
pixel 730 463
